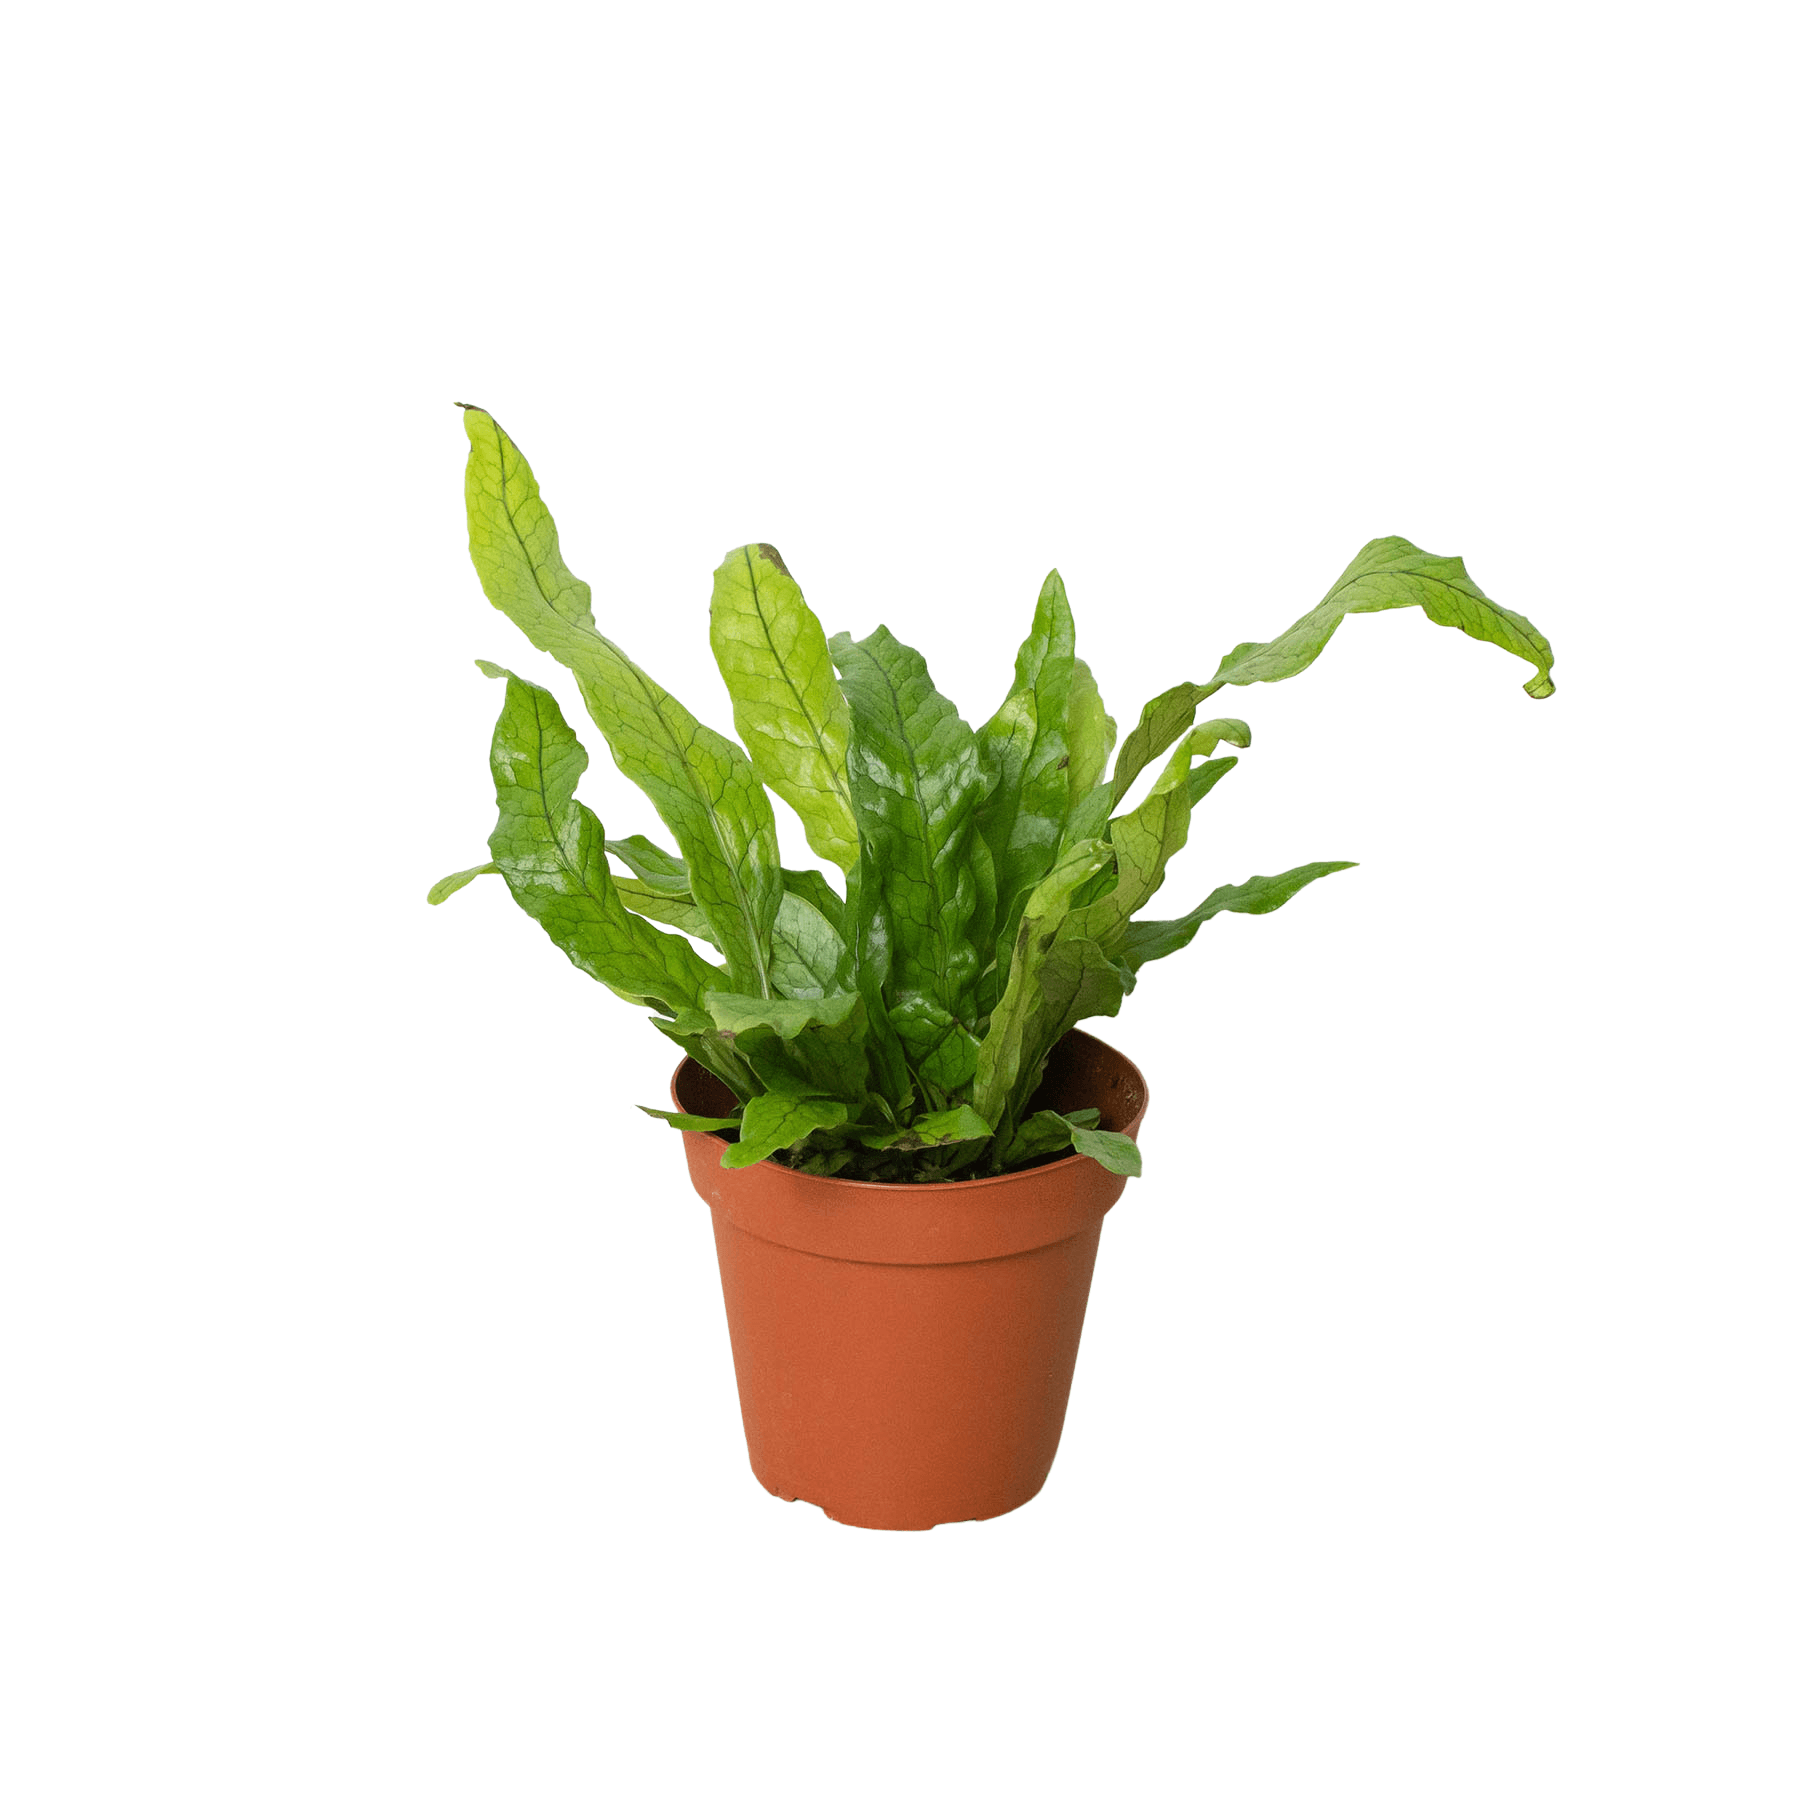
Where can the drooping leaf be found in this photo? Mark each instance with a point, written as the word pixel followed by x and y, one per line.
pixel 784 698
pixel 1211 733
pixel 451 884
pixel 774 1122
pixel 1091 733
pixel 552 852
pixel 1386 573
pixel 1025 753
pixel 1146 939
pixel 690 1121
pixel 701 783
pixel 926 882
pixel 1112 1150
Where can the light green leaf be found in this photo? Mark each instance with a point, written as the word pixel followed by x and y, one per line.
pixel 442 890
pixel 1207 737
pixel 651 864
pixel 1162 721
pixel 1025 753
pixel 955 1125
pixel 1147 939
pixel 926 884
pixel 1387 573
pixel 701 783
pixel 690 1121
pixel 1112 1150
pixel 813 888
pixel 784 698
pixel 774 1122
pixel 1091 733
pixel 552 852
pixel 677 909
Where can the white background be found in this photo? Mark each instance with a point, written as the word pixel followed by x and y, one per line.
pixel 368 1419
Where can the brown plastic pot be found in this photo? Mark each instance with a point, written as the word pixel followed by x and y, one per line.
pixel 904 1352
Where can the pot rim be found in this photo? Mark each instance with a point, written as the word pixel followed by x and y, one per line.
pixel 981 1183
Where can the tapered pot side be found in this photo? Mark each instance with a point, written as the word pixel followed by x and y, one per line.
pixel 904 1351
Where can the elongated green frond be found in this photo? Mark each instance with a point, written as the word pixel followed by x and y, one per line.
pixel 808 958
pixel 1092 732
pixel 784 698
pixel 1147 939
pixel 451 884
pixel 774 1122
pixel 701 783
pixel 1162 721
pixel 927 879
pixel 552 852
pixel 1026 755
pixel 1387 573
pixel 689 1121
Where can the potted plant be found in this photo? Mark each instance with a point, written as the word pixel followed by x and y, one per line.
pixel 906 1145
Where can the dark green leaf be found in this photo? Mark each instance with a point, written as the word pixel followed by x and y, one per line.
pixel 774 1122
pixel 926 883
pixel 957 1125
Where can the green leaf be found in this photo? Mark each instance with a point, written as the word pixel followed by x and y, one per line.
pixel 1091 733
pixel 1025 752
pixel 1007 1051
pixel 735 1013
pixel 774 1122
pixel 1162 721
pixel 813 888
pixel 1045 1132
pixel 442 890
pixel 552 852
pixel 651 864
pixel 1206 776
pixel 690 1121
pixel 1387 573
pixel 784 698
pixel 1143 841
pixel 701 783
pixel 807 956
pixel 1112 1150
pixel 1207 737
pixel 956 1125
pixel 1147 939
pixel 664 907
pixel 926 885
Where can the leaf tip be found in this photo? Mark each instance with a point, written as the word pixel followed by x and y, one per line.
pixel 1540 687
